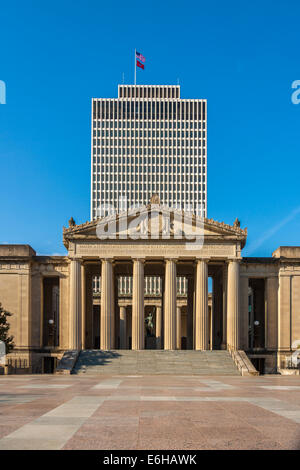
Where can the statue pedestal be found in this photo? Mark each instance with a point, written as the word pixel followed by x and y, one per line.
pixel 150 342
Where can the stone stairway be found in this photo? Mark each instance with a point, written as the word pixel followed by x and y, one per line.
pixel 155 362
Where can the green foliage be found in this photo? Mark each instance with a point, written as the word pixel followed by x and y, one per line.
pixel 4 328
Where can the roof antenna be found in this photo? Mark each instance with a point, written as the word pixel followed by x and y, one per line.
pixel 177 81
pixel 123 78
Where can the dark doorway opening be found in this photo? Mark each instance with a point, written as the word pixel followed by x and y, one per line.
pixel 51 311
pixel 256 307
pixel 96 326
pixel 259 364
pixel 49 365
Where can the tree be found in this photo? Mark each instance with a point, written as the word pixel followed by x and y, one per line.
pixel 4 328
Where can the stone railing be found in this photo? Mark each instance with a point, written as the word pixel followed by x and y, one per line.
pixel 243 362
pixel 67 362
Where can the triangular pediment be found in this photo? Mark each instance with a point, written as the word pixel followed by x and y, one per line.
pixel 154 221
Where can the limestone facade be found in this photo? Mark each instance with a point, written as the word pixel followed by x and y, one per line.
pixel 254 304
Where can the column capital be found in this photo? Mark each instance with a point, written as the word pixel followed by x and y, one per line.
pixel 73 258
pixel 175 259
pixel 142 260
pixel 84 262
pixel 205 260
pixel 231 260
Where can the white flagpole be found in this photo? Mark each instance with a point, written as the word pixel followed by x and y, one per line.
pixel 134 66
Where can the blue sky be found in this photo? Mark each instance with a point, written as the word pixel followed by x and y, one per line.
pixel 241 56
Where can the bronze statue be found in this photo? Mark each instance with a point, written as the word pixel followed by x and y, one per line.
pixel 72 222
pixel 155 199
pixel 149 324
pixel 237 223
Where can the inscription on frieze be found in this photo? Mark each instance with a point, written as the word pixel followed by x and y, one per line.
pixel 115 250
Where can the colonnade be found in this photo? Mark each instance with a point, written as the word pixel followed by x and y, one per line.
pixel 168 316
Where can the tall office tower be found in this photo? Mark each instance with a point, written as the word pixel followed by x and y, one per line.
pixel 147 141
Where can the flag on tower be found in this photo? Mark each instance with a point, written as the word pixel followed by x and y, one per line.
pixel 140 57
pixel 139 61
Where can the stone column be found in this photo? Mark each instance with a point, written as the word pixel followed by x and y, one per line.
pixel 158 327
pixel 123 344
pixel 224 306
pixel 190 314
pixel 89 322
pixel 202 326
pixel 178 328
pixel 75 305
pixel 138 332
pixel 233 305
pixel 170 305
pixel 83 305
pixel 117 313
pixel 107 332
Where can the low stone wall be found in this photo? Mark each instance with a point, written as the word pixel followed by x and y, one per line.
pixel 29 362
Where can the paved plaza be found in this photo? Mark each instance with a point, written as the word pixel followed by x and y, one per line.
pixel 149 412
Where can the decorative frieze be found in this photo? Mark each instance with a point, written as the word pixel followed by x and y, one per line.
pixel 14 267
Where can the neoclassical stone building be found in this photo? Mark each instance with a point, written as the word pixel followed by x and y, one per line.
pixel 254 305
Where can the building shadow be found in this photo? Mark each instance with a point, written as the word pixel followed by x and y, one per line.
pixel 95 358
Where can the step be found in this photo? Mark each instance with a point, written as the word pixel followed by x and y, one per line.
pixel 155 362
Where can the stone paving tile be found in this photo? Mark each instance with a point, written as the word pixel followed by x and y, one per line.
pixel 181 435
pixel 45 386
pixel 7 428
pixel 16 398
pixel 178 432
pixel 101 430
pixel 22 412
pixel 28 444
pixel 108 384
pixel 114 409
pixel 105 443
pixel 244 444
pixel 246 410
pixel 281 387
pixel 183 443
pixel 285 433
